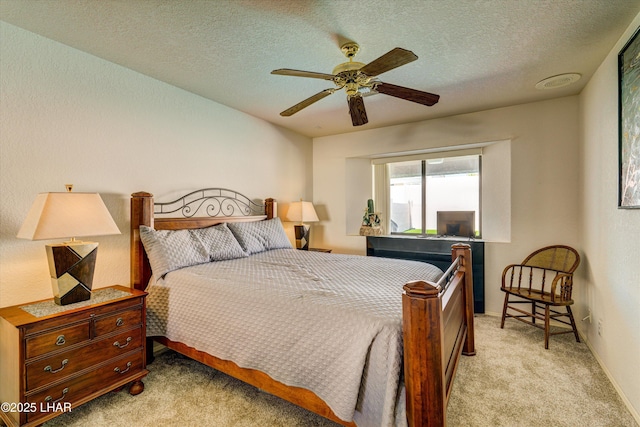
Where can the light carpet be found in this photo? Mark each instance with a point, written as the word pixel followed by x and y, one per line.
pixel 512 381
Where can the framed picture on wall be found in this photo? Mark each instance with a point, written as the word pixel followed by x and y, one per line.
pixel 629 122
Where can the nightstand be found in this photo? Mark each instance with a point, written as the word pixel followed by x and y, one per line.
pixel 55 358
pixel 320 250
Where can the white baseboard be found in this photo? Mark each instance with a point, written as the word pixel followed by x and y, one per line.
pixel 626 401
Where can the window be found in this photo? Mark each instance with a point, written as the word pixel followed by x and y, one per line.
pixel 419 189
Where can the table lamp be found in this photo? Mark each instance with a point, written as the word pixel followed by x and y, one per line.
pixel 302 212
pixel 69 215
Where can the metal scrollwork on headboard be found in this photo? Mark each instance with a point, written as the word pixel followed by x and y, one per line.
pixel 212 202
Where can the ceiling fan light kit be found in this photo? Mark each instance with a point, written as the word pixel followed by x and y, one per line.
pixel 358 79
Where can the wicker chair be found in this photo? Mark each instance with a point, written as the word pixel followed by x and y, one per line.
pixel 544 280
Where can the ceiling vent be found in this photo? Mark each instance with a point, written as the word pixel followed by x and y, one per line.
pixel 560 80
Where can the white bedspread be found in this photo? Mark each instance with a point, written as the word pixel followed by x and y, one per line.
pixel 329 323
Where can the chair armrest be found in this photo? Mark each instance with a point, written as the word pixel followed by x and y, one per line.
pixel 516 280
pixel 509 267
pixel 566 286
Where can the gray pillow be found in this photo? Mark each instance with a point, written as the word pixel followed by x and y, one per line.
pixel 219 242
pixel 260 236
pixel 170 250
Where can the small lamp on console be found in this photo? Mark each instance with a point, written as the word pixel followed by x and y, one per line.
pixel 69 215
pixel 302 212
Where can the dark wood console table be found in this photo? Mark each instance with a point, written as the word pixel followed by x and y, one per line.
pixel 434 250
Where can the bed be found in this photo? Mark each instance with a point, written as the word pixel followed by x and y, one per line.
pixel 365 348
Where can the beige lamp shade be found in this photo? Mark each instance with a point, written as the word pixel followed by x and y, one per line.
pixel 301 212
pixel 67 215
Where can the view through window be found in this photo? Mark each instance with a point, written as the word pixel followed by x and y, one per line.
pixel 421 188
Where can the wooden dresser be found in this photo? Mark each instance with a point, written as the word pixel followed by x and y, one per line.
pixel 54 358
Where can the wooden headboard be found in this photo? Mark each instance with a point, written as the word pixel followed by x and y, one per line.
pixel 218 204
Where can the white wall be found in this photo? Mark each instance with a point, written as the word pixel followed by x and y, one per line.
pixel 610 281
pixel 69 117
pixel 544 174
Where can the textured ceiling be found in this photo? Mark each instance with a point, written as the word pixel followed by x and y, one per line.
pixel 476 54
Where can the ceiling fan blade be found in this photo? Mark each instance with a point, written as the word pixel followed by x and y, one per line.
pixel 357 111
pixel 414 95
pixel 390 60
pixel 300 105
pixel 298 73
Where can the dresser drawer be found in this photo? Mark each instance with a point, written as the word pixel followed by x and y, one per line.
pixel 57 339
pixel 61 365
pixel 118 322
pixel 85 385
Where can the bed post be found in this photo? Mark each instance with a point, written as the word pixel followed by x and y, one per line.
pixel 270 208
pixel 464 250
pixel 422 320
pixel 141 214
pixel 430 354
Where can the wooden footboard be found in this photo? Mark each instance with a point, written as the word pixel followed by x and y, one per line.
pixel 437 328
pixel 437 325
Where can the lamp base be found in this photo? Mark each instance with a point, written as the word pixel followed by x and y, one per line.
pixel 302 237
pixel 71 266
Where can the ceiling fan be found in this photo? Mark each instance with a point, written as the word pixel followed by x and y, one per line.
pixel 359 80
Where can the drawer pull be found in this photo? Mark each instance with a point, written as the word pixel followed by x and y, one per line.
pixel 116 369
pixel 60 340
pixel 53 371
pixel 119 321
pixel 117 343
pixel 64 393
